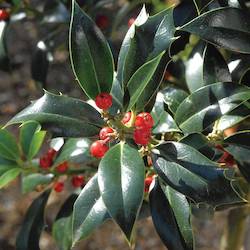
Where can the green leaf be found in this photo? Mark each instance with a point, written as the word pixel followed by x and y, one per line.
pixel 6 165
pixel 61 232
pixel 90 55
pixel 121 183
pixel 9 176
pixel 221 27
pixel 173 97
pixel 201 4
pixel 207 104
pixel 234 117
pixel 192 174
pixel 62 115
pixel 205 66
pixel 165 221
pixel 139 81
pixel 8 146
pixel 29 234
pixel 89 211
pixel 163 121
pixel 75 150
pixel 31 138
pixel 31 181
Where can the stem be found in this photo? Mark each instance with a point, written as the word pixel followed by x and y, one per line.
pixel 234 233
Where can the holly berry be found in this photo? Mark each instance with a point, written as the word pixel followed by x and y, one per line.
pixel 131 21
pixel 144 120
pixel 45 162
pixel 227 158
pixel 98 149
pixel 103 101
pixel 142 136
pixel 51 153
pixel 63 167
pixel 126 118
pixel 104 133
pixel 102 21
pixel 77 181
pixel 58 186
pixel 4 15
pixel 147 183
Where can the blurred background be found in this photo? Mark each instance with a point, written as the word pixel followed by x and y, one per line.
pixel 33 56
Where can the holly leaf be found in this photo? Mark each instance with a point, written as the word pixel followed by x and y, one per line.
pixel 90 55
pixel 207 104
pixel 165 221
pixel 189 172
pixel 31 138
pixel 120 173
pixel 89 211
pixel 63 116
pixel 221 26
pixel 29 234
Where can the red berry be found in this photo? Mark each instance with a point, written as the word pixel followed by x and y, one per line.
pixel 227 158
pixel 4 15
pixel 51 153
pixel 131 21
pixel 126 118
pixel 104 133
pixel 142 136
pixel 103 101
pixel 98 149
pixel 58 186
pixel 147 183
pixel 63 167
pixel 144 120
pixel 102 21
pixel 77 181
pixel 45 162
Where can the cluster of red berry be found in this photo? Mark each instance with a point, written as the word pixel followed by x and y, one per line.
pixel 46 161
pixel 143 124
pixel 4 15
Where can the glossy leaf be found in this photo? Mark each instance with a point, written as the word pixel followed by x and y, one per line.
pixel 29 234
pixel 91 57
pixel 120 173
pixel 67 207
pixel 192 174
pixel 8 146
pixel 62 115
pixel 75 150
pixel 209 103
pixel 163 122
pixel 201 4
pixel 206 66
pixel 173 97
pixel 139 81
pixel 89 211
pixel 9 176
pixel 225 27
pixel 4 60
pixel 6 165
pixel 31 181
pixel 31 138
pixel 164 220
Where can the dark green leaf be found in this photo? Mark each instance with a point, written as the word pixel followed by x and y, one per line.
pixel 173 97
pixel 75 150
pixel 9 176
pixel 31 138
pixel 8 146
pixel 6 165
pixel 120 173
pixel 139 81
pixel 164 220
pixel 62 115
pixel 4 60
pixel 206 66
pixel 91 57
pixel 67 207
pixel 191 173
pixel 29 234
pixel 208 104
pixel 89 211
pixel 225 27
pixel 31 181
